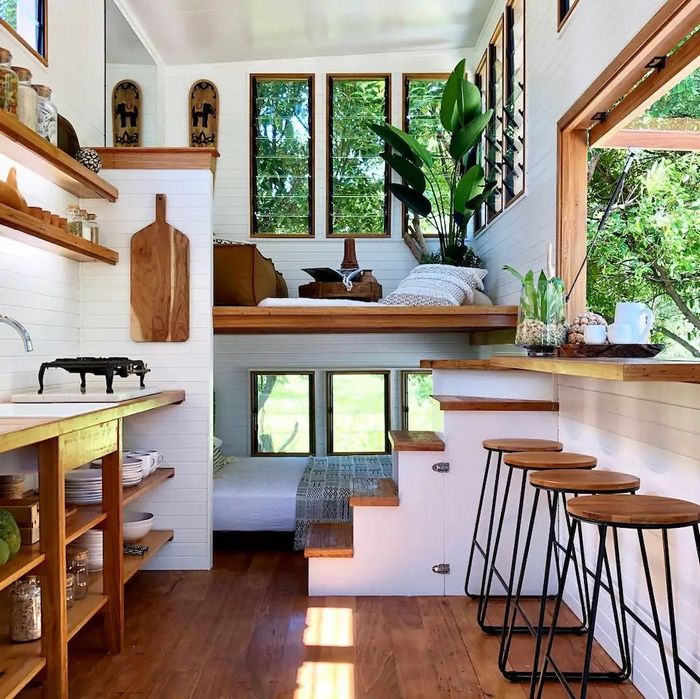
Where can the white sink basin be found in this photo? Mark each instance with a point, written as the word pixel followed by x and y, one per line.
pixel 49 410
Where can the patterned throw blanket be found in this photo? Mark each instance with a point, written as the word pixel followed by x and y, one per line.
pixel 326 486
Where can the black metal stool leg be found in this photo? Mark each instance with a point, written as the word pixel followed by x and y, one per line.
pixel 671 613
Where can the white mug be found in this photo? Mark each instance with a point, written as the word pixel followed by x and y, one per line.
pixel 153 457
pixel 640 319
pixel 595 334
pixel 620 334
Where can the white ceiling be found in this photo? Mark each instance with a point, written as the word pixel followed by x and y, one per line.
pixel 218 31
pixel 123 46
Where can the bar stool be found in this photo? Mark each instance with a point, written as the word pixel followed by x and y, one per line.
pixel 640 513
pixel 557 485
pixel 500 447
pixel 524 462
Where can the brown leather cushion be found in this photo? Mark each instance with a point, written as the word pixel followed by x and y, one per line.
pixel 244 277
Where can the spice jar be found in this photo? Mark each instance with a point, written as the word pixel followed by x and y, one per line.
pixel 70 590
pixel 46 114
pixel 74 224
pixel 85 230
pixel 94 228
pixel 8 83
pixel 25 610
pixel 26 98
pixel 77 563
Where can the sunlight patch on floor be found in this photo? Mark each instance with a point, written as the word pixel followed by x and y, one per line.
pixel 325 681
pixel 329 627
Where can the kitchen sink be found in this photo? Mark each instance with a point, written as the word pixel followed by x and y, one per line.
pixel 49 410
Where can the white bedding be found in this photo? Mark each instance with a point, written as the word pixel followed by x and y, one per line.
pixel 257 494
pixel 295 303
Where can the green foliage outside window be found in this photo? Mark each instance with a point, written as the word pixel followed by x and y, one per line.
pixel 358 175
pixel 281 156
pixel 422 412
pixel 8 12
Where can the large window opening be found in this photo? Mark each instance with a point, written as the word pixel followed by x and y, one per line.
pixel 26 19
pixel 418 409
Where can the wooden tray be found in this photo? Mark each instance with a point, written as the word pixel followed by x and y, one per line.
pixel 610 351
pixel 361 291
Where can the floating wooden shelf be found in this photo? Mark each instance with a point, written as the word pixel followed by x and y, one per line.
pixel 28 558
pixel 480 403
pixel 356 319
pixel 19 225
pixel 461 364
pixel 25 146
pixel 416 440
pixel 158 158
pixel 155 540
pixel 153 481
pixel 611 369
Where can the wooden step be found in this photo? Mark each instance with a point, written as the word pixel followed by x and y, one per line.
pixel 374 492
pixel 479 403
pixel 416 440
pixel 329 540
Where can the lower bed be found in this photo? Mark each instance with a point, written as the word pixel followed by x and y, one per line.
pixel 288 495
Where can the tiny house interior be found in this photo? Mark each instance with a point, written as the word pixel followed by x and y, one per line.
pixel 349 351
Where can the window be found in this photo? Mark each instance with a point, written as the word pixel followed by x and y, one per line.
pixel 422 96
pixel 565 9
pixel 283 413
pixel 358 178
pixel 26 19
pixel 419 410
pixel 514 101
pixel 494 133
pixel 282 155
pixel 481 81
pixel 358 412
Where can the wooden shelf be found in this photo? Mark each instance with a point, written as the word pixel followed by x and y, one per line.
pixel 416 440
pixel 481 403
pixel 158 158
pixel 155 540
pixel 611 369
pixel 354 319
pixel 86 518
pixel 460 364
pixel 25 146
pixel 153 481
pixel 28 558
pixel 19 225
pixel 20 663
pixel 84 609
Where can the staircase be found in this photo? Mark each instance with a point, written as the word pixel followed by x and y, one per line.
pixel 410 535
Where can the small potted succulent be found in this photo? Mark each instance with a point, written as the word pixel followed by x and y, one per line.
pixel 541 313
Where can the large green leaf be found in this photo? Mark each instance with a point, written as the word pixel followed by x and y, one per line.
pixel 470 102
pixel 410 172
pixel 468 137
pixel 392 139
pixel 471 185
pixel 415 201
pixel 449 114
pixel 476 202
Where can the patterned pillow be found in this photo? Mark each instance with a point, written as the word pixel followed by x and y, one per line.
pixel 471 275
pixel 432 288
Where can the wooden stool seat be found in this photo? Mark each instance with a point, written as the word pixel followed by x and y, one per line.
pixel 511 445
pixel 584 481
pixel 644 511
pixel 544 460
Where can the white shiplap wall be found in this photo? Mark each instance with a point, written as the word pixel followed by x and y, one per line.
pixel 147 78
pixel 390 259
pixel 652 430
pixel 182 433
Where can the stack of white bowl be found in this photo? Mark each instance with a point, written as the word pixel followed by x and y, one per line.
pixel 83 486
pixel 137 525
pixel 93 542
pixel 132 470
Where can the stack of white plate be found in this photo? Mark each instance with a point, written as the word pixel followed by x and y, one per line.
pixel 132 470
pixel 83 487
pixel 92 541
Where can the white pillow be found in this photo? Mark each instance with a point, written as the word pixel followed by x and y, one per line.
pixel 434 287
pixel 471 275
pixel 479 299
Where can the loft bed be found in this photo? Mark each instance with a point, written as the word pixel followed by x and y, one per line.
pixel 360 319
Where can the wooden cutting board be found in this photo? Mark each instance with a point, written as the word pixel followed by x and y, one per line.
pixel 160 282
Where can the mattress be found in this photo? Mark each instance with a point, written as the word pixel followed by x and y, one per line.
pixel 257 494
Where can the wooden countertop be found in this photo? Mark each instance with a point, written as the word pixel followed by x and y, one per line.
pixel 16 432
pixel 684 371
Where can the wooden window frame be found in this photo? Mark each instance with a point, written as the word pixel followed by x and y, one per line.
pixel 42 52
pixel 330 77
pixel 670 25
pixel 405 107
pixel 481 81
pixel 492 99
pixel 386 373
pixel 254 411
pixel 403 393
pixel 311 79
pixel 563 13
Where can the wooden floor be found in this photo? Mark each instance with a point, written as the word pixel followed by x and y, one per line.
pixel 247 630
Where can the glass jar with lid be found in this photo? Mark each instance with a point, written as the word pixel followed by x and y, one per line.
pixel 25 610
pixel 26 98
pixel 86 231
pixel 46 114
pixel 8 83
pixel 94 228
pixel 70 590
pixel 77 563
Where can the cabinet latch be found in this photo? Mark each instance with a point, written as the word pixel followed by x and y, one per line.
pixel 442 569
pixel 441 467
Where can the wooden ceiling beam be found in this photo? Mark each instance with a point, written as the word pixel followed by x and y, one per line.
pixel 653 139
